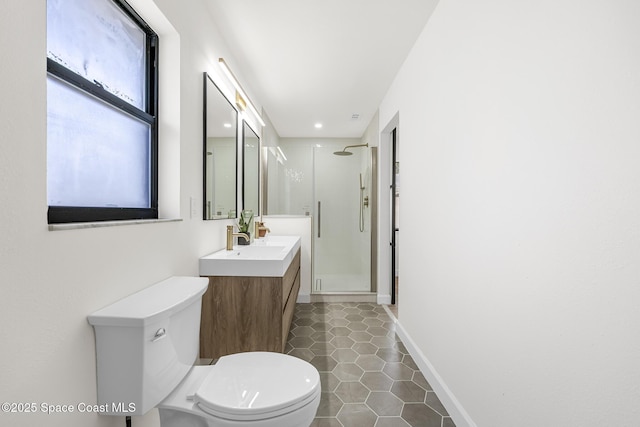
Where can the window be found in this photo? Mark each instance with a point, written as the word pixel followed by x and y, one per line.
pixel 102 105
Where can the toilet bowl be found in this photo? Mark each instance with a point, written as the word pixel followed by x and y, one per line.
pixel 146 346
pixel 257 389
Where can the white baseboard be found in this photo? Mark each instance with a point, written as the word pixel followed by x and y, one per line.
pixel 303 298
pixel 451 404
pixel 384 299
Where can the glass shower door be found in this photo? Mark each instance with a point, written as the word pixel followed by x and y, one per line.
pixel 342 239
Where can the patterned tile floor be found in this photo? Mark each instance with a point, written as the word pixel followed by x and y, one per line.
pixel 368 377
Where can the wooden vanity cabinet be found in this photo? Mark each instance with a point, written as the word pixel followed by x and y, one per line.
pixel 243 313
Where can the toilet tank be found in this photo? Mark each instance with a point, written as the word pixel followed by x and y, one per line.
pixel 146 343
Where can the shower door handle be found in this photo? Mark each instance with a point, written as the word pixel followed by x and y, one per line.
pixel 319 218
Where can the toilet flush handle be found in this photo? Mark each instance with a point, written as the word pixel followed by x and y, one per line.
pixel 160 333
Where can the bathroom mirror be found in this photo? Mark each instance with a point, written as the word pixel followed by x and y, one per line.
pixel 220 153
pixel 250 169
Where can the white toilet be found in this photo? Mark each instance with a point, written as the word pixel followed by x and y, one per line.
pixel 146 345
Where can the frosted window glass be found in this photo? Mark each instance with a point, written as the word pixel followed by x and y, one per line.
pixel 97 156
pixel 96 40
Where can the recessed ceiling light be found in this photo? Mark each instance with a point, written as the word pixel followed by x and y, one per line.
pixel 318 125
pixel 227 125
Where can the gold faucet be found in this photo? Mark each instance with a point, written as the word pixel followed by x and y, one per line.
pixel 260 227
pixel 231 235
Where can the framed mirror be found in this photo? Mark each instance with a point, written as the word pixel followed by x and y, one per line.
pixel 250 169
pixel 220 153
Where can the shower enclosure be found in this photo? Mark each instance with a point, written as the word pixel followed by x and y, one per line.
pixel 333 182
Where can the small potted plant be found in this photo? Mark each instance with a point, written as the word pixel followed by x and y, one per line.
pixel 244 225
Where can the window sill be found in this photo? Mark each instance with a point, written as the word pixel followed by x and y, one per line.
pixel 100 224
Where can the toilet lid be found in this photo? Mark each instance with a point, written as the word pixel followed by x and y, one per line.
pixel 257 385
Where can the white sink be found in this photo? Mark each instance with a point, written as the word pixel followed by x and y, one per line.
pixel 267 257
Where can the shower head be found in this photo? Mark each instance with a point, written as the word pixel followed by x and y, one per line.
pixel 344 151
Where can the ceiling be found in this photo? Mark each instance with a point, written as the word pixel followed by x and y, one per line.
pixel 319 61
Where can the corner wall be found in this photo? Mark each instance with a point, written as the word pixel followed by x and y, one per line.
pixel 520 172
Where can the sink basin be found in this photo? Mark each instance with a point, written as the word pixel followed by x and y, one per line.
pixel 267 257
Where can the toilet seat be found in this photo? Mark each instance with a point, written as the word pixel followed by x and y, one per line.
pixel 257 385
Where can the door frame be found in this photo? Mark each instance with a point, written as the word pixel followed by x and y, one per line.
pixel 384 208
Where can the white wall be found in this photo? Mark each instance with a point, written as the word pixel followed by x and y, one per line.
pixel 520 139
pixel 51 280
pixel 269 171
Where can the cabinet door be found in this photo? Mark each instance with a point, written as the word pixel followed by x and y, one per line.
pixel 241 314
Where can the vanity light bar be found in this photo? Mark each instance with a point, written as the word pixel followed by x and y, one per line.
pixel 241 92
